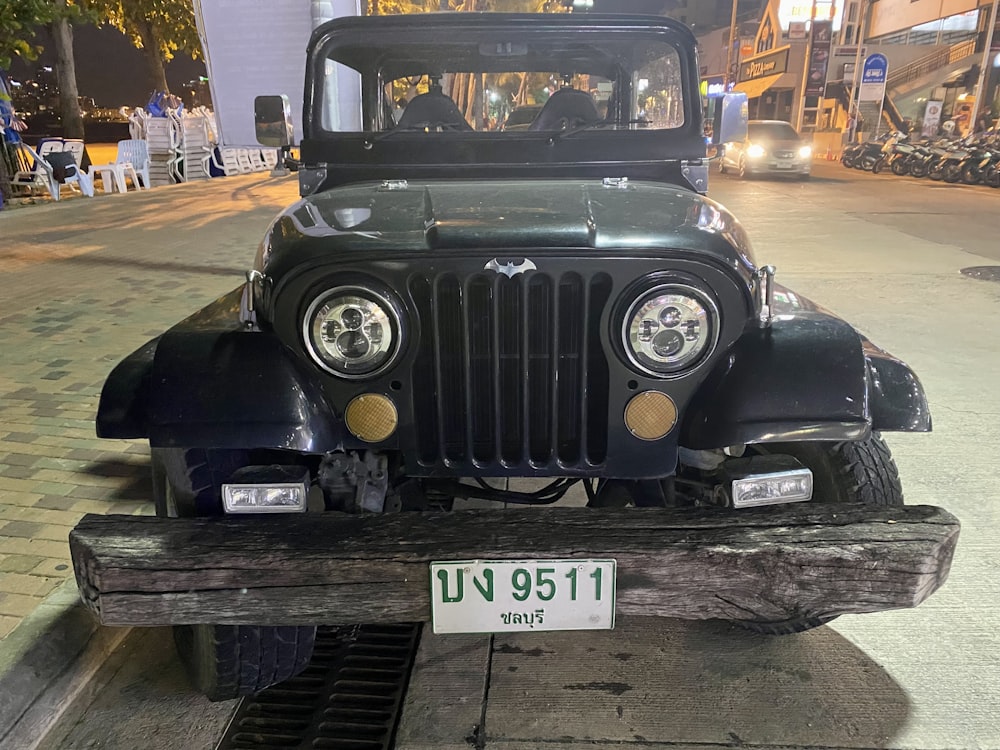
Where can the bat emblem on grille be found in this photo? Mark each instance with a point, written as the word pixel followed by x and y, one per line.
pixel 509 269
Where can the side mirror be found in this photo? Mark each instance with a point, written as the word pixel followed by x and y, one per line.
pixel 273 121
pixel 731 117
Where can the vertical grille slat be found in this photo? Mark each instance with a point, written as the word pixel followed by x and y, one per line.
pixel 519 372
pixel 554 367
pixel 495 364
pixel 569 325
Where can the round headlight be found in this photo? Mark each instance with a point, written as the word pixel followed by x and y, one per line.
pixel 351 332
pixel 669 329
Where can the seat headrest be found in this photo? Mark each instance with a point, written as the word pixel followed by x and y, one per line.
pixel 432 109
pixel 566 108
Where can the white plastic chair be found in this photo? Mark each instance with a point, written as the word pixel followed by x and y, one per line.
pixel 38 172
pixel 132 161
pixel 76 147
pixel 230 164
pixel 243 160
pixel 270 157
pixel 257 160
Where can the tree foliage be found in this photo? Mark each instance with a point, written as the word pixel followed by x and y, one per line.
pixel 173 21
pixel 18 21
pixel 160 28
pixel 393 7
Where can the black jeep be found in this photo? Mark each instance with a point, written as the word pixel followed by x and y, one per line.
pixel 457 313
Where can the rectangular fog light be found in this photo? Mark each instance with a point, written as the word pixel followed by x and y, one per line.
pixel 772 489
pixel 267 489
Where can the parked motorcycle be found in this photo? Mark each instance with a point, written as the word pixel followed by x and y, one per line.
pixel 894 154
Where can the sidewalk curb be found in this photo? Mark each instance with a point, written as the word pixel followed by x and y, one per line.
pixel 47 664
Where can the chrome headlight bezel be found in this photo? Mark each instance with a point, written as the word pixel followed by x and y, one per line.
pixel 392 315
pixel 710 323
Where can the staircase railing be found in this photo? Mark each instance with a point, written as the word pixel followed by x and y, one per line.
pixel 929 63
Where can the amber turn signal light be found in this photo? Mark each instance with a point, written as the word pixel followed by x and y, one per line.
pixel 371 417
pixel 650 415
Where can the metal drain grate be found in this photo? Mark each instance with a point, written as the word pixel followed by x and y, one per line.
pixel 348 698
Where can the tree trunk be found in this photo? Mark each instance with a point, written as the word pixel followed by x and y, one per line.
pixel 69 97
pixel 155 73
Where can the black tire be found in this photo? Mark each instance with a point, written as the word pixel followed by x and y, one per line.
pixel 743 171
pixel 222 661
pixel 918 169
pixel 228 661
pixel 952 172
pixel 722 165
pixel 879 165
pixel 899 167
pixel 857 472
pixel 971 174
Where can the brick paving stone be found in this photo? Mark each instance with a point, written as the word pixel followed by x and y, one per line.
pixel 19 459
pixel 17 472
pixel 18 605
pixel 19 563
pixel 53 567
pixel 56 502
pixel 92 493
pixel 27 529
pixel 33 547
pixel 40 515
pixel 28 585
pixel 20 437
pixel 7 625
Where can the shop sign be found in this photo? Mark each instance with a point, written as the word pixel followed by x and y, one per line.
pixel 768 64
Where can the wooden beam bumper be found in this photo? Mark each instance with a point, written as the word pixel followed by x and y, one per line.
pixel 763 565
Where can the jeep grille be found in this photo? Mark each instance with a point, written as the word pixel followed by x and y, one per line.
pixel 511 371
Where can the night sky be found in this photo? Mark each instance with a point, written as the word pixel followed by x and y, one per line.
pixel 109 68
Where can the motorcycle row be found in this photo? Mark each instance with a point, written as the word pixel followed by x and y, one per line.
pixel 973 160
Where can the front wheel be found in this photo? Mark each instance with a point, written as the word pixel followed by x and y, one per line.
pixel 856 472
pixel 879 165
pixel 222 661
pixel 744 172
pixel 899 167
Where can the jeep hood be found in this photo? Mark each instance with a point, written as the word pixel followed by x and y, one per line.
pixel 391 219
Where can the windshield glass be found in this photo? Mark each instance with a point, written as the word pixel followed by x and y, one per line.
pixel 771 131
pixel 540 83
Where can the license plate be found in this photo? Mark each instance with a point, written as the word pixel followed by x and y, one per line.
pixel 492 596
pixel 784 165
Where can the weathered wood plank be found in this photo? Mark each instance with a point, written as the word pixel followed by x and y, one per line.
pixel 765 565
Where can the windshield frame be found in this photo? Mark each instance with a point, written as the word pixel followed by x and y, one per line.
pixel 417 29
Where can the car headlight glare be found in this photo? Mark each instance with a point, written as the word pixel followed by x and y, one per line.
pixel 670 329
pixel 352 332
pixel 805 152
pixel 755 151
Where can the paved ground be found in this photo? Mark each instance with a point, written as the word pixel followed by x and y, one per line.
pixel 88 281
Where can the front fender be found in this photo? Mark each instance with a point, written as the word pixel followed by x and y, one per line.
pixel 209 382
pixel 809 376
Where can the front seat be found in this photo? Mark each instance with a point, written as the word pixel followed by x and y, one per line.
pixel 566 108
pixel 432 110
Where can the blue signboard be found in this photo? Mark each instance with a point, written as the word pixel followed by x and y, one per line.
pixel 873 77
